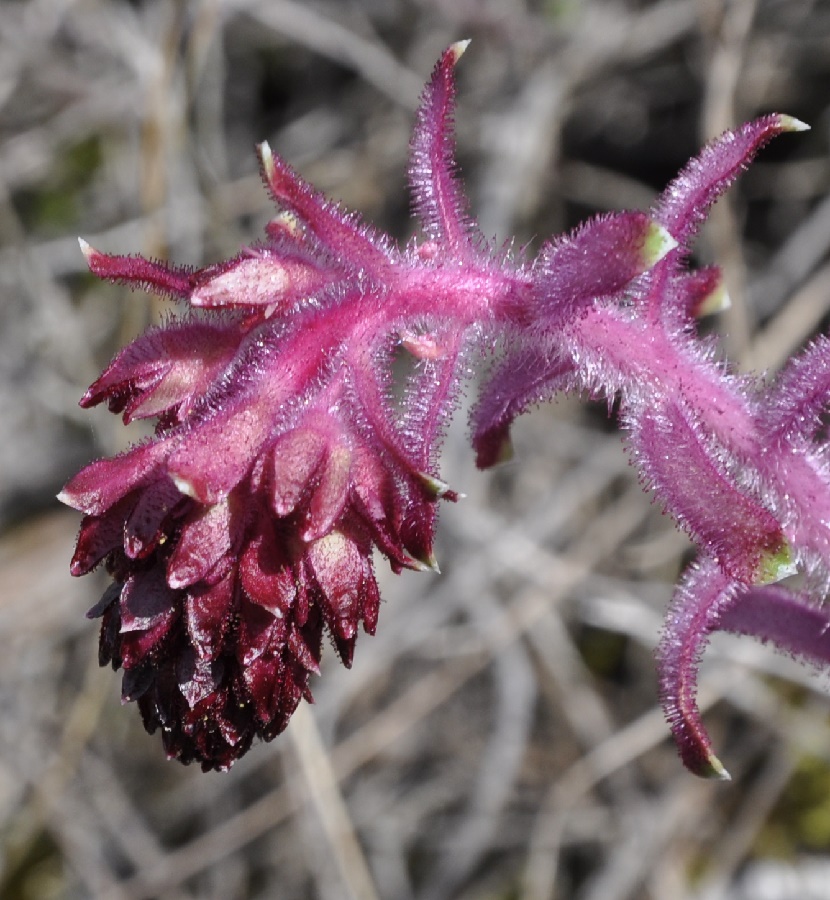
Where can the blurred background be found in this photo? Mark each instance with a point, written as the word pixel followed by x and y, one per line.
pixel 500 737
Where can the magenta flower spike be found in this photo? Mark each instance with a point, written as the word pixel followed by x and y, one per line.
pixel 243 531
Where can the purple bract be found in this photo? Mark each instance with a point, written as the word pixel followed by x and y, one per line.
pixel 244 529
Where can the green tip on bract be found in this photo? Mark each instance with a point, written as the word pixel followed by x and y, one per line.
pixel 63 497
pixel 432 564
pixel 776 565
pixel 713 769
pixel 718 301
pixel 436 487
pixel 506 451
pixel 87 249
pixel 428 564
pixel 184 486
pixel 790 123
pixel 658 242
pixel 266 157
pixel 457 49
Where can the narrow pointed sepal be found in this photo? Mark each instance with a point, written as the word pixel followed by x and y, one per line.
pixel 794 624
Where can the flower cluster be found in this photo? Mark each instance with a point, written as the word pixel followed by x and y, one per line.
pixel 245 527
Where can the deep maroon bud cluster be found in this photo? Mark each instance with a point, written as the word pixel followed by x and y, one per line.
pixel 244 529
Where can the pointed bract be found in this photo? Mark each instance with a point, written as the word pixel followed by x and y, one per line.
pixel 682 468
pixel 686 201
pixel 138 272
pixel 437 197
pixel 700 600
pixel 531 373
pixel 597 260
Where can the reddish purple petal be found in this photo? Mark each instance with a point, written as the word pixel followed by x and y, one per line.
pixel 259 631
pixel 198 678
pixel 219 452
pixel 110 595
pixel 330 495
pixel 143 527
pixel 417 528
pixel 340 570
pixel 103 483
pixel 304 645
pixel 146 600
pixel 205 539
pixel 295 458
pixel 376 498
pixel 148 624
pixel 99 536
pixel 197 354
pixel 208 615
pixel 265 572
